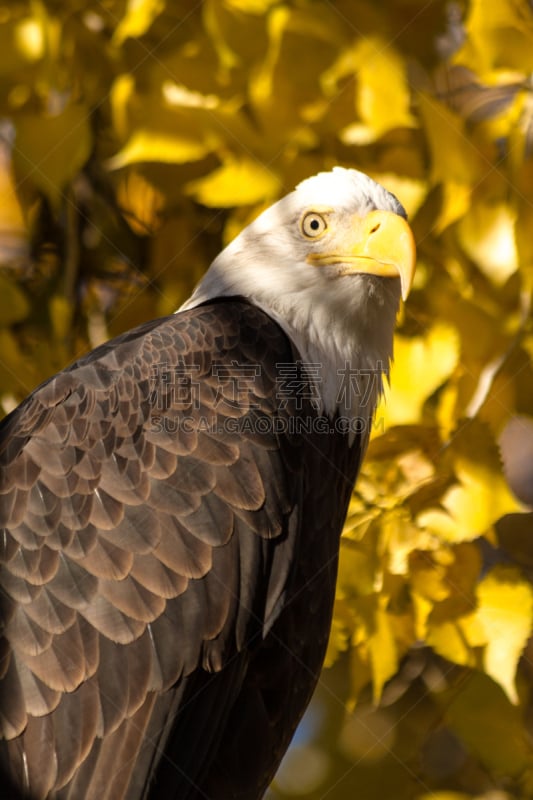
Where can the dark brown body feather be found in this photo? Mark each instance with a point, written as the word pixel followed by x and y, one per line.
pixel 168 564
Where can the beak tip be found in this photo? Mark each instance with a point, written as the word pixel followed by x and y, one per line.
pixel 406 283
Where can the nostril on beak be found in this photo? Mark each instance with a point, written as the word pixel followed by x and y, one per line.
pixel 375 228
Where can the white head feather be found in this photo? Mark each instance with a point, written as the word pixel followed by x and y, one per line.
pixel 342 324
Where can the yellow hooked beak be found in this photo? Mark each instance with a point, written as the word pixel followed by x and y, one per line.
pixel 381 243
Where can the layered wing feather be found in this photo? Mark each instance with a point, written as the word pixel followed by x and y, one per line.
pixel 141 513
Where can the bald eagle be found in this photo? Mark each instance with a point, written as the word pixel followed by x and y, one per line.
pixel 171 506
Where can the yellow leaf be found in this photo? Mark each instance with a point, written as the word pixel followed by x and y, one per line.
pixel 383 97
pixel 524 242
pixel 441 524
pixel 383 652
pixel 378 637
pixel 338 640
pixel 237 182
pixel 401 538
pixel 149 145
pixel 261 83
pixel 421 365
pixel 428 578
pixel 252 6
pixel 140 202
pixel 462 577
pixel 486 233
pixel 412 190
pixel 20 43
pixel 30 39
pixel 180 96
pixel 382 93
pixel 498 33
pixel 456 639
pixel 422 608
pixel 24 40
pixel 455 203
pixel 506 613
pixel 120 97
pixel 481 497
pixel 50 150
pixel 213 12
pixel 454 157
pixel 138 17
pixel 358 566
pixel 443 583
pixel 447 409
pixel 286 109
pixel 13 231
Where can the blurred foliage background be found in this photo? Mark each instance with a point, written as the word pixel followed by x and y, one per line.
pixel 138 136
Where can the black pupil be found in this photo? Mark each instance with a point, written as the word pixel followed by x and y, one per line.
pixel 315 224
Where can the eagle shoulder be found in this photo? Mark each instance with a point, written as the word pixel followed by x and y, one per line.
pixel 150 515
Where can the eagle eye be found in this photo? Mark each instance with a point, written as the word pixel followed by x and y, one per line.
pixel 313 225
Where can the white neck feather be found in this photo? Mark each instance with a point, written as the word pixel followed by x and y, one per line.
pixel 343 324
pixel 343 332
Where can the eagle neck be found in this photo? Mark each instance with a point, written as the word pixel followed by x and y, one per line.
pixel 344 366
